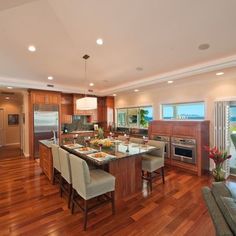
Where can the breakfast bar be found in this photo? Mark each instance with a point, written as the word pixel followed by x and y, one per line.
pixel 123 160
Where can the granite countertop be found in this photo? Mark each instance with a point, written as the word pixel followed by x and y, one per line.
pixel 47 142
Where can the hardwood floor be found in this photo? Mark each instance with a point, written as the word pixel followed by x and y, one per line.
pixel 30 205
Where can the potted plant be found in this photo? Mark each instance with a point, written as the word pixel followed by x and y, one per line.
pixel 218 157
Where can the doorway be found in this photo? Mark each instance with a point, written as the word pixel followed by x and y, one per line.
pixel 1 127
pixel 232 126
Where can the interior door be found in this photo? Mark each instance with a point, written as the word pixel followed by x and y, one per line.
pixel 1 126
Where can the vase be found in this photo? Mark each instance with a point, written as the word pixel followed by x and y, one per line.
pixel 218 174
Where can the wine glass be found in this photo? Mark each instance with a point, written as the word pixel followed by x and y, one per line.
pixel 145 140
pixel 75 138
pixel 87 141
pixel 100 146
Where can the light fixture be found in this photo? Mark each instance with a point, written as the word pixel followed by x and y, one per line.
pixel 220 73
pixel 9 87
pixel 50 78
pixel 170 81
pixel 203 46
pixel 32 48
pixel 7 98
pixel 99 41
pixel 114 94
pixel 91 84
pixel 86 103
pixel 136 90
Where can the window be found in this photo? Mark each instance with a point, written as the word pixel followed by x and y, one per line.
pixel 135 117
pixel 184 111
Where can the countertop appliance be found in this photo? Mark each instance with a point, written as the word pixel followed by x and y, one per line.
pixel 184 149
pixel 46 124
pixel 166 140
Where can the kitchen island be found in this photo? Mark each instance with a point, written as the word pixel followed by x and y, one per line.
pixel 125 163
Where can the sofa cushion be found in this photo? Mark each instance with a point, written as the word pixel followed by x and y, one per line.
pixel 230 212
pixel 219 189
pixel 232 188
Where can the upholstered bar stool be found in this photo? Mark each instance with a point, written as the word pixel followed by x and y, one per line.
pixel 56 163
pixel 89 184
pixel 153 161
pixel 121 137
pixel 136 140
pixel 65 181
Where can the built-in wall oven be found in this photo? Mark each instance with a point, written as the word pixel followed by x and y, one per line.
pixel 166 140
pixel 184 149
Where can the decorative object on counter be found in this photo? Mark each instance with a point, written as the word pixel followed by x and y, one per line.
pixel 100 133
pixel 75 138
pixel 95 127
pixel 218 157
pixel 86 103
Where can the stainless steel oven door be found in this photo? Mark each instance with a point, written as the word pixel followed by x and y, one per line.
pixel 184 153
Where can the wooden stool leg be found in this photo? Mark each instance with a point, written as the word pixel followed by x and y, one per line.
pixel 53 178
pixel 150 180
pixel 72 201
pixel 85 214
pixel 163 174
pixel 113 202
pixel 60 182
pixel 69 195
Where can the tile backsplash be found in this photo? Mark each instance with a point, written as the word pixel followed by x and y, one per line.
pixel 78 123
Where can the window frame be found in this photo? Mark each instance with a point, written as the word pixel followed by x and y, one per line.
pixel 138 118
pixel 175 111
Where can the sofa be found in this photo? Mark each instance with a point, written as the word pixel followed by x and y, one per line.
pixel 221 203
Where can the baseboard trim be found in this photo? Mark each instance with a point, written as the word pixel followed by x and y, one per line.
pixel 11 144
pixel 26 154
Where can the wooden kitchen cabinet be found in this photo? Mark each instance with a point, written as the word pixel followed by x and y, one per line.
pixel 66 108
pixel 46 162
pixel 45 97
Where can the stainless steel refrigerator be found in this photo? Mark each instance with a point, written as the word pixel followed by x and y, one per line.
pixel 46 124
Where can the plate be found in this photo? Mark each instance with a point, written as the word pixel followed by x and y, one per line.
pixel 73 146
pixel 85 150
pixel 101 156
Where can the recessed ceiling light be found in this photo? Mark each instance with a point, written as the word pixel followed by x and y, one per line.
pixel 50 78
pixel 139 68
pixel 91 84
pixel 99 41
pixel 220 73
pixel 203 46
pixel 114 94
pixel 170 81
pixel 9 87
pixel 7 98
pixel 136 90
pixel 32 48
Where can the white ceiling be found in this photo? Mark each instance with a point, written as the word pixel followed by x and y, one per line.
pixel 161 36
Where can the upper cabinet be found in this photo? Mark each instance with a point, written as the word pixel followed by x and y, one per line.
pixel 66 108
pixel 44 97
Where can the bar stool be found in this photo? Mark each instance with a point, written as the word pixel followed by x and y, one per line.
pixel 56 163
pixel 153 161
pixel 121 137
pixel 136 140
pixel 65 180
pixel 89 184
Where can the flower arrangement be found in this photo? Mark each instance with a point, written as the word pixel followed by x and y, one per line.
pixel 218 157
pixel 106 143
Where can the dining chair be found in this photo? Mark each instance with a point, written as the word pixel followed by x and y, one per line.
pixel 121 137
pixel 136 140
pixel 89 184
pixel 56 163
pixel 65 180
pixel 153 161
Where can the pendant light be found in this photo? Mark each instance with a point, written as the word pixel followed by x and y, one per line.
pixel 86 103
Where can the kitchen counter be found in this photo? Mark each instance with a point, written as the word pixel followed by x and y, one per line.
pixel 47 142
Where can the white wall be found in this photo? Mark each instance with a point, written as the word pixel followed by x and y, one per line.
pixel 207 90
